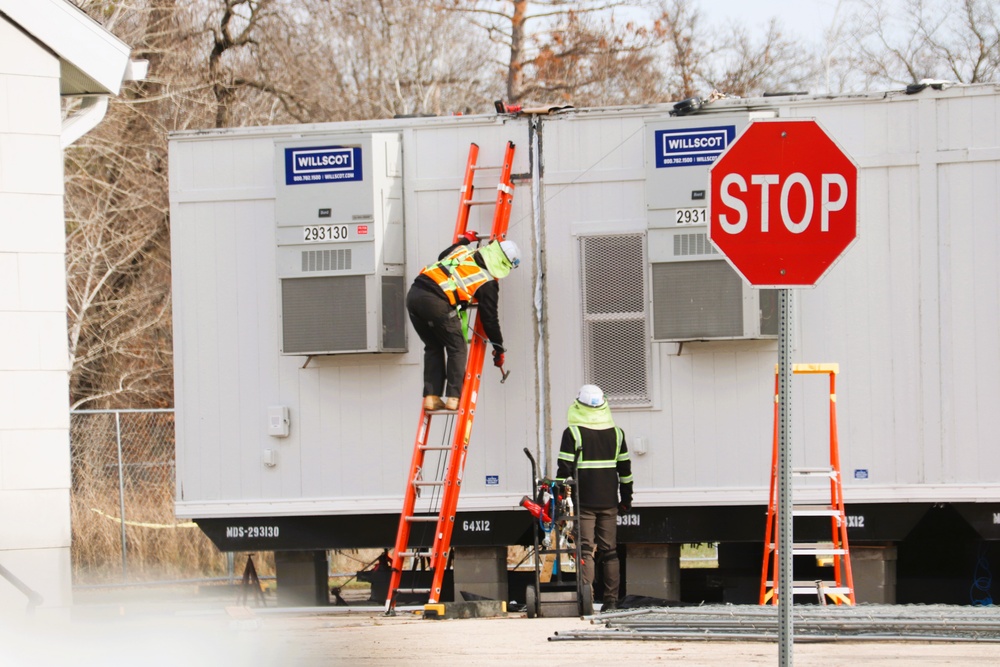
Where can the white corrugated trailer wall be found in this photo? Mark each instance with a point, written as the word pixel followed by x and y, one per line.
pixel 865 313
pixel 708 430
pixel 912 312
pixel 353 417
pixel 222 200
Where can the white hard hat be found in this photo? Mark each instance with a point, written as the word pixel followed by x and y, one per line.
pixel 512 252
pixel 591 395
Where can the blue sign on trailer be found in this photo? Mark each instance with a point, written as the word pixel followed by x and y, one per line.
pixel 688 147
pixel 322 164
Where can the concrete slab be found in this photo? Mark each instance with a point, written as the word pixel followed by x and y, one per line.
pixel 117 631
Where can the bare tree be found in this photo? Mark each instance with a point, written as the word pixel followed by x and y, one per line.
pixel 242 67
pixel 222 63
pixel 118 259
pixel 552 48
pixel 957 40
pixel 700 56
pixel 687 47
pixel 393 57
pixel 745 66
pixel 117 241
pixel 971 50
pixel 589 60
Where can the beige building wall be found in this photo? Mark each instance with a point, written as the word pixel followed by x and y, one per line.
pixel 34 401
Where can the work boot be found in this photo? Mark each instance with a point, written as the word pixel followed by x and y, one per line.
pixel 610 604
pixel 451 403
pixel 432 403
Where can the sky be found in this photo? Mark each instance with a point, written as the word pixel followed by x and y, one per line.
pixel 807 19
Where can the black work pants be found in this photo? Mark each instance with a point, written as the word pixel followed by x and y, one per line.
pixel 599 528
pixel 440 329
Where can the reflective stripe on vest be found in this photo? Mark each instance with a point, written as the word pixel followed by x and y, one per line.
pixel 597 465
pixel 458 275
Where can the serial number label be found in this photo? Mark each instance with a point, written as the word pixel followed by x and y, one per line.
pixel 628 519
pixel 324 233
pixel 690 216
pixel 476 526
pixel 251 532
pixel 855 520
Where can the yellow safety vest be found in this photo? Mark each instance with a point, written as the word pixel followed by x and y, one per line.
pixel 598 464
pixel 458 275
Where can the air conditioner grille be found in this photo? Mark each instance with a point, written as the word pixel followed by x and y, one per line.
pixel 336 259
pixel 323 314
pixel 699 299
pixel 393 313
pixel 686 245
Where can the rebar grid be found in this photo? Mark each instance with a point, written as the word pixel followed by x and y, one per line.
pixel 925 623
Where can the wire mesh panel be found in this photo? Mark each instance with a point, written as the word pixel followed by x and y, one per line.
pixel 124 528
pixel 614 317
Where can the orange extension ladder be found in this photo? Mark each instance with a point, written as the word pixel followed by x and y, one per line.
pixel 445 481
pixel 837 552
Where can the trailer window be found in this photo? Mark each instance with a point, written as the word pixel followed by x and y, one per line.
pixel 613 291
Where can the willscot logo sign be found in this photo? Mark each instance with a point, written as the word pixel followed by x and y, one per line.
pixel 691 146
pixel 322 164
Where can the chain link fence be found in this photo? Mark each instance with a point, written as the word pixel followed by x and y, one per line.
pixel 124 528
pixel 122 503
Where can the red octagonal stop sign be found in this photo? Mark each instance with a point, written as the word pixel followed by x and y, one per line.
pixel 783 205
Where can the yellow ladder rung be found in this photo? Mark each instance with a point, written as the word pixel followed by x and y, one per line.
pixel 813 368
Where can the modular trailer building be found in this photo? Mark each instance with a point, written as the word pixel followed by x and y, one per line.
pixel 298 376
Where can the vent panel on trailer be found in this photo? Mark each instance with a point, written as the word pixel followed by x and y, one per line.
pixel 339 228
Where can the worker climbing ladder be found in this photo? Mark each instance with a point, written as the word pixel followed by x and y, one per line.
pixel 445 482
pixel 834 553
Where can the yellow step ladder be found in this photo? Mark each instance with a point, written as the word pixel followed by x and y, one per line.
pixel 834 553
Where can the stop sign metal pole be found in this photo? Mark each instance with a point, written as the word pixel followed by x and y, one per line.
pixel 784 574
pixel 764 217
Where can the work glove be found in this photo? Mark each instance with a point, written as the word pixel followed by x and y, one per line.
pixel 625 493
pixel 498 356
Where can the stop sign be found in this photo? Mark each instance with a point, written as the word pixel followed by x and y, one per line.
pixel 783 203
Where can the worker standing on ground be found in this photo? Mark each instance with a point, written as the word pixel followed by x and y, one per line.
pixel 593 451
pixel 462 275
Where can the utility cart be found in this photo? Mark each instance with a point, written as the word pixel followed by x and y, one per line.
pixel 556 533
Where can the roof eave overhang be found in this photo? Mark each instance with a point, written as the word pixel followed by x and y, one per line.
pixel 93 60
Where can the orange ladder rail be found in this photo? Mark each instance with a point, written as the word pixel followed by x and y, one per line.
pixel 771 529
pixel 440 551
pixel 842 568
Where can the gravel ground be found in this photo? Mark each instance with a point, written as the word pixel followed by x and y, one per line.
pixel 116 630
